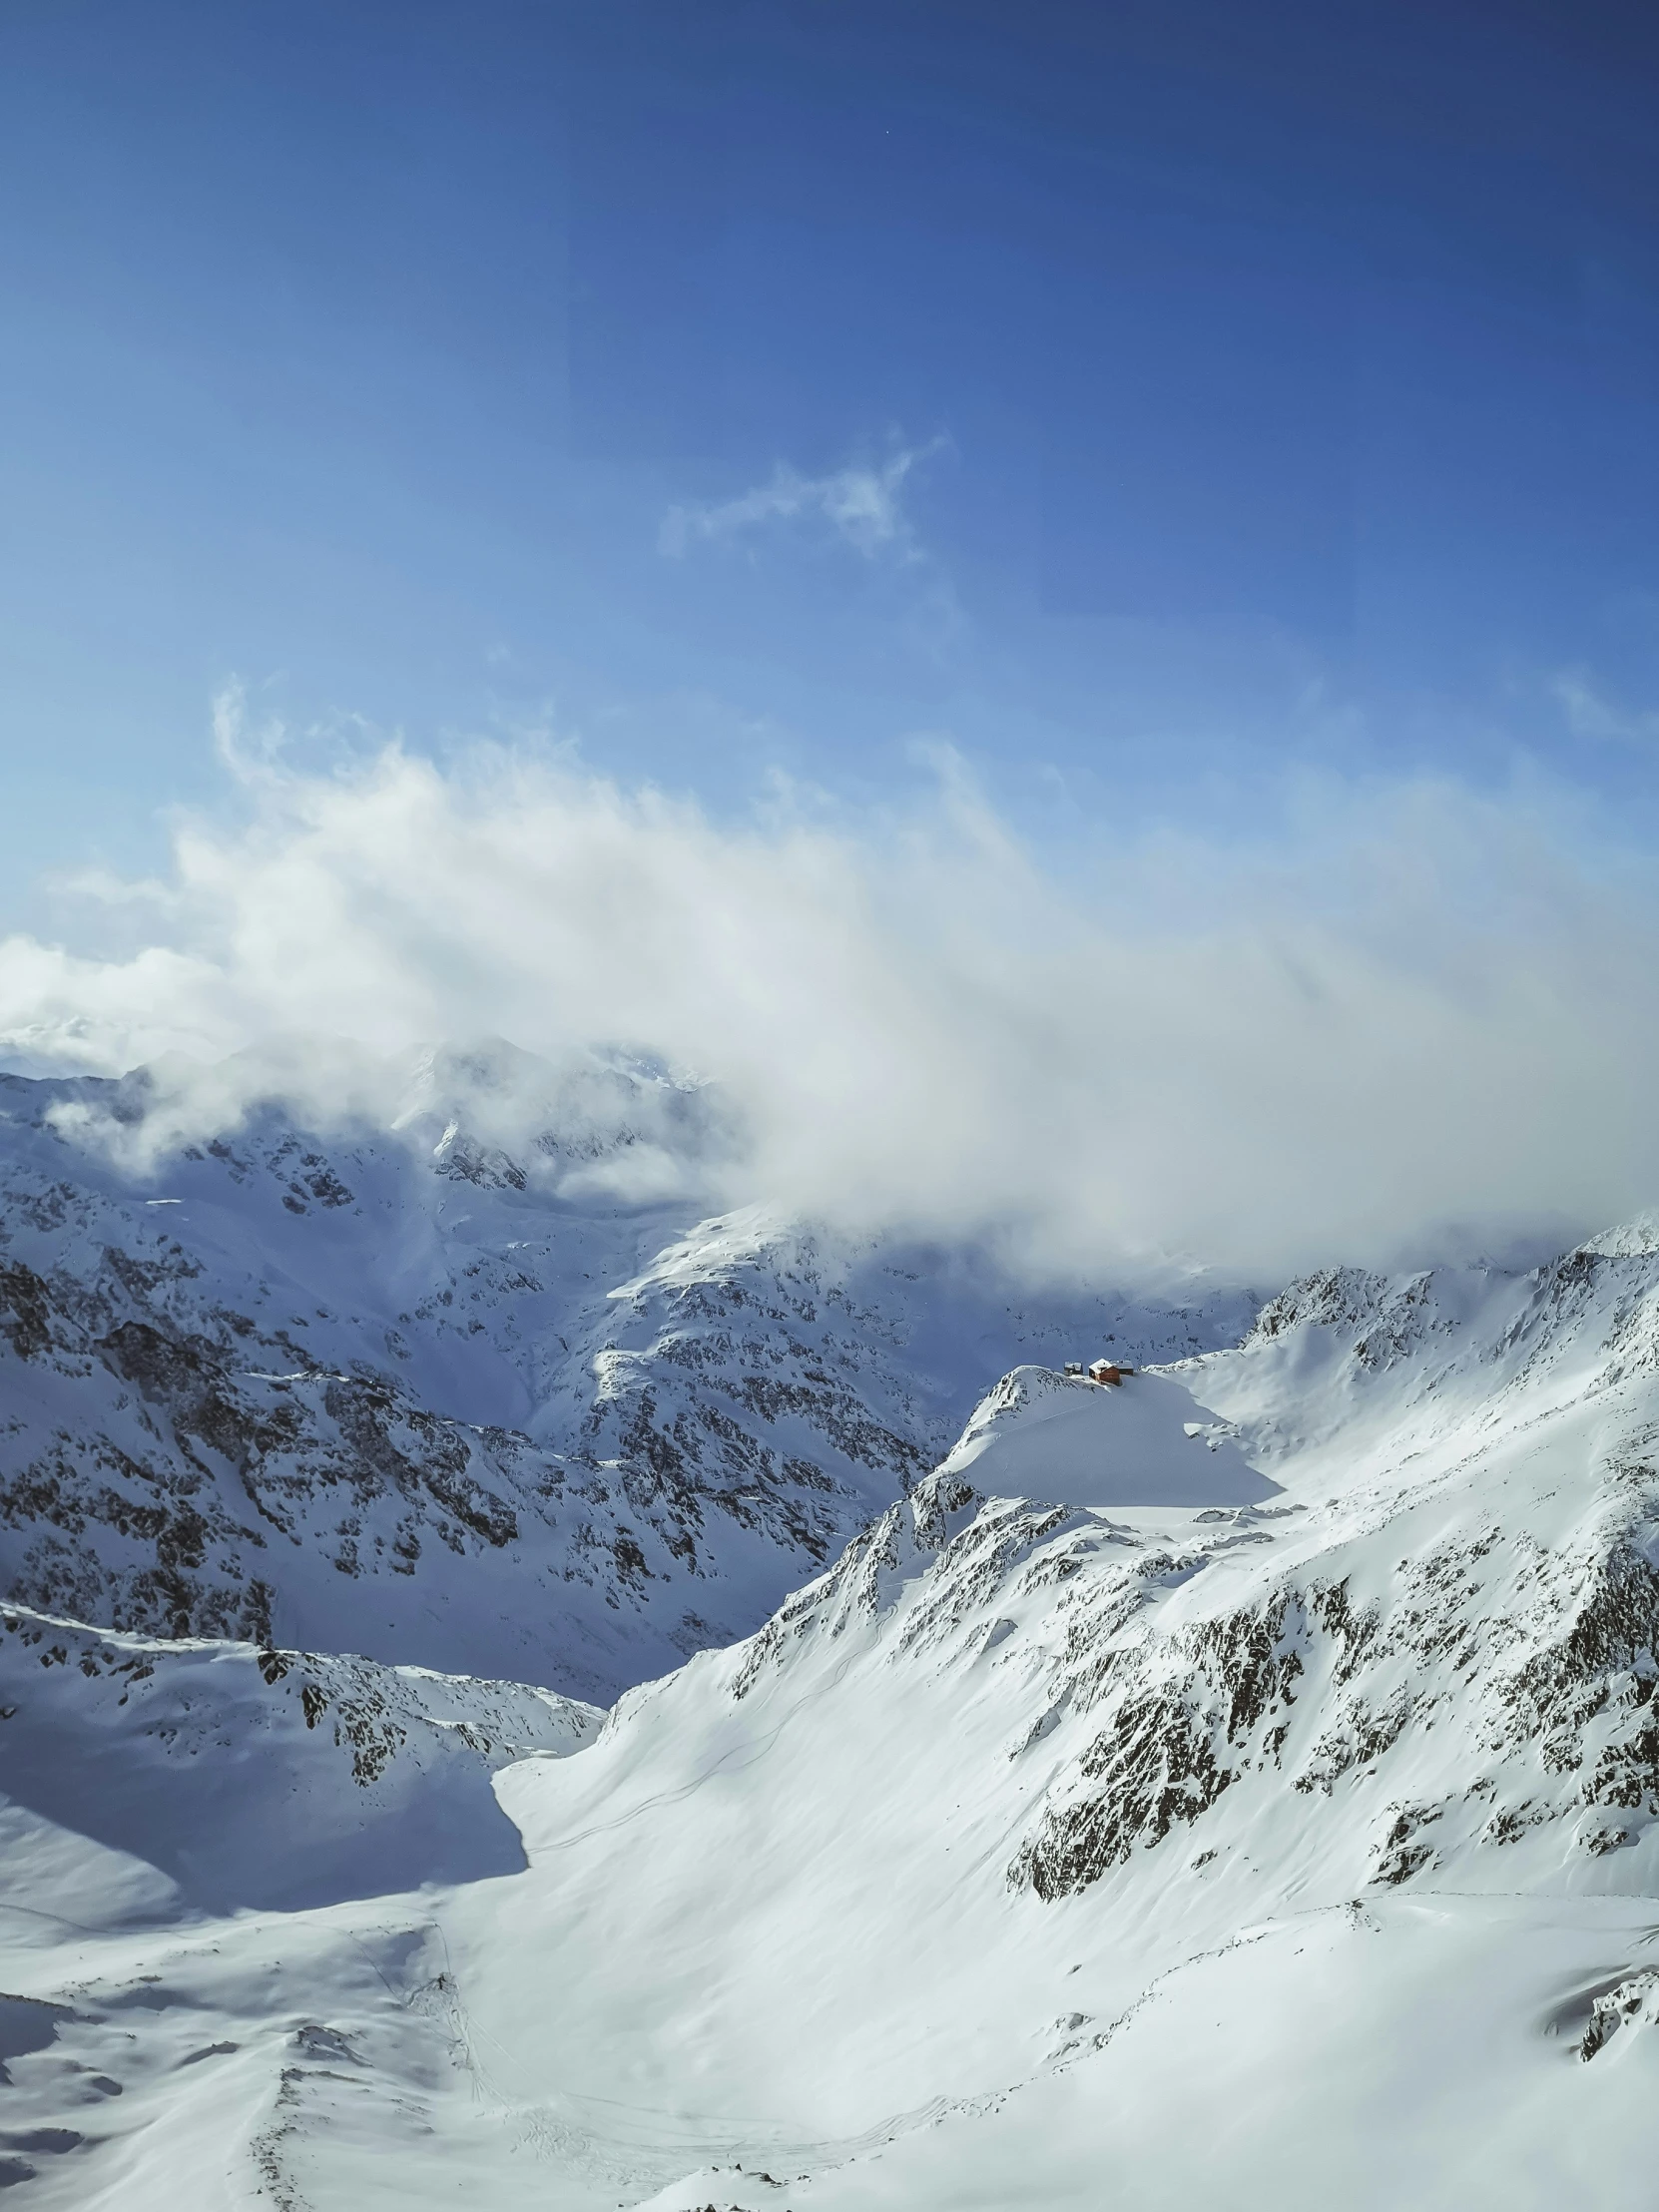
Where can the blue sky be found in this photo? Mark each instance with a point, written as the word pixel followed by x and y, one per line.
pixel 1254 392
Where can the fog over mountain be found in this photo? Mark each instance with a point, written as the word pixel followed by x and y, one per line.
pixel 1397 1021
pixel 575 1632
pixel 528 1411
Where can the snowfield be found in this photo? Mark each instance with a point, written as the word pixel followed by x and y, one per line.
pixel 1239 1786
pixel 1085 1444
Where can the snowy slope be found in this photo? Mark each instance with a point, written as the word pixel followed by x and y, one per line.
pixel 247 1777
pixel 1075 1443
pixel 399 1391
pixel 1053 1851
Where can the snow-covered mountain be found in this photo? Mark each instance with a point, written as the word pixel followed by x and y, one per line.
pixel 509 1411
pixel 225 1775
pixel 1261 1811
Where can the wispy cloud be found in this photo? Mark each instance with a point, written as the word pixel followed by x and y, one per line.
pixel 1591 713
pixel 861 504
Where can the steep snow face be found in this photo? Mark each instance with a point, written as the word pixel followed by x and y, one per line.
pixel 1040 1851
pixel 415 1394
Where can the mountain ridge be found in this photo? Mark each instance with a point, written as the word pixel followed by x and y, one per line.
pixel 541 1433
pixel 1242 1780
pixel 1021 1826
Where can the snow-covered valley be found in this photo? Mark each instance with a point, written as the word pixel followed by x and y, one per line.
pixel 1238 1785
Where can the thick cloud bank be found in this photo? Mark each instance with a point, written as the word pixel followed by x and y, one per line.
pixel 1424 1010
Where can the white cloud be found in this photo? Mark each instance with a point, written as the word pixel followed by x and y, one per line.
pixel 861 504
pixel 1416 1006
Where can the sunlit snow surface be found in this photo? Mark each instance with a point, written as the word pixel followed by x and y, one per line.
pixel 1120 1841
pixel 1077 1442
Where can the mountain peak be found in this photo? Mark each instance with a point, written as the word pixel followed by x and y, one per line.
pixel 1070 1441
pixel 1634 1238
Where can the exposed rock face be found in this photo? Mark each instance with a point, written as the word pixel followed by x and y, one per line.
pixel 1030 1829
pixel 1439 1650
pixel 410 1393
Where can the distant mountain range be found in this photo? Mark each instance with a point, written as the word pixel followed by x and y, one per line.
pixel 491 1415
pixel 1236 1786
